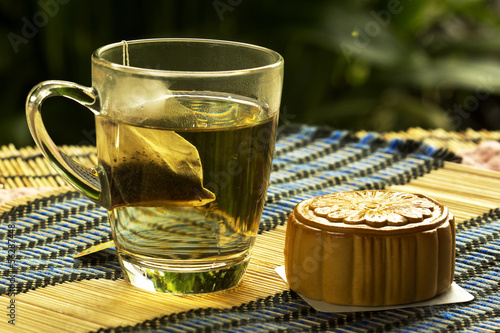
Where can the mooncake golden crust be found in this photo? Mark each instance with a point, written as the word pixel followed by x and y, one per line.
pixel 370 248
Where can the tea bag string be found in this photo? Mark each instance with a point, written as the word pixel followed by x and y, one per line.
pixel 126 61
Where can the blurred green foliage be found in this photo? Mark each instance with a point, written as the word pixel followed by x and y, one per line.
pixel 373 65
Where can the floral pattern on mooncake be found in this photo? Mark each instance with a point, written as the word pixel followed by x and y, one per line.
pixel 373 208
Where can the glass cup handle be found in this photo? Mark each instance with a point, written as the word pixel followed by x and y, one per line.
pixel 81 177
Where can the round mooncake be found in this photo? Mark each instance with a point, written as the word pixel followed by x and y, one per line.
pixel 370 248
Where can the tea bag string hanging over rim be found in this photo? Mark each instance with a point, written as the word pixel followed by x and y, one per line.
pixel 126 59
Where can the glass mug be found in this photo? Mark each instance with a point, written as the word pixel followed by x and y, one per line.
pixel 185 132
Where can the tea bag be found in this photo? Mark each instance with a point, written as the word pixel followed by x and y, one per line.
pixel 158 167
pixel 153 165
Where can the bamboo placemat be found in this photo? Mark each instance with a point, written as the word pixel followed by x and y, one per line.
pixel 26 167
pixel 439 138
pixel 91 296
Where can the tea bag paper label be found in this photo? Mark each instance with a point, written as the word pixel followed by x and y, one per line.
pixel 455 294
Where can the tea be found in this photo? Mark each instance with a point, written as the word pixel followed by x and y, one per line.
pixel 190 198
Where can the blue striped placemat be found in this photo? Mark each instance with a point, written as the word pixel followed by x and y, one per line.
pixel 309 161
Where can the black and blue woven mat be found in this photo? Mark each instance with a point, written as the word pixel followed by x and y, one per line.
pixel 309 161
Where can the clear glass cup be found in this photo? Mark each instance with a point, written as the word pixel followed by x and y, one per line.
pixel 185 132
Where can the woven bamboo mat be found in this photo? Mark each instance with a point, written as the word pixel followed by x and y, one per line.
pixel 61 294
pixel 439 138
pixel 26 167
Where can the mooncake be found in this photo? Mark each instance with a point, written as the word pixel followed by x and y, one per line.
pixel 370 248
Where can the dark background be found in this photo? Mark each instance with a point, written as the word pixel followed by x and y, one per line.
pixel 372 65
